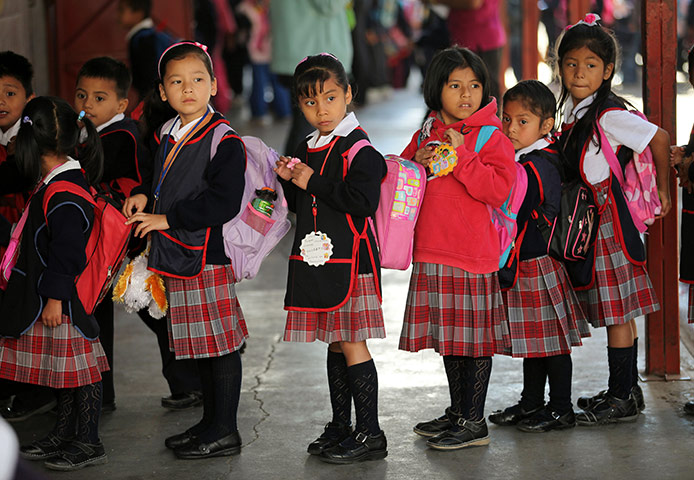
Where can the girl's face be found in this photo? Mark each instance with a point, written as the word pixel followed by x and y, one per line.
pixel 582 72
pixel 522 126
pixel 461 95
pixel 326 109
pixel 187 86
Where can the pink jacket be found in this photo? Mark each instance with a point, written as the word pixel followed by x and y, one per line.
pixel 454 227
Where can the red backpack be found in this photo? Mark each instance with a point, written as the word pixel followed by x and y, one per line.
pixel 106 246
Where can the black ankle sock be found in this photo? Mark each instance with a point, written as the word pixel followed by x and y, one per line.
pixel 88 401
pixel 534 378
pixel 559 371
pixel 226 375
pixel 338 383
pixel 454 366
pixel 207 385
pixel 635 363
pixel 363 383
pixel 66 421
pixel 477 372
pixel 620 364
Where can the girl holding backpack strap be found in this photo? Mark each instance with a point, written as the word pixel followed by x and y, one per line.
pixel 334 280
pixel 454 303
pixel 56 342
pixel 191 197
pixel 621 289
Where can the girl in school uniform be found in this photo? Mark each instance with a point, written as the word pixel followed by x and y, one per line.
pixel 334 283
pixel 191 197
pixel 544 316
pixel 620 289
pixel 48 338
pixel 454 302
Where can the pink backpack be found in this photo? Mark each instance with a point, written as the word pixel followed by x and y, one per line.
pixel 638 182
pixel 9 259
pixel 401 197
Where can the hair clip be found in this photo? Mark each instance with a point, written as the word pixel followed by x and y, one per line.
pixel 80 116
pixel 26 119
pixel 322 54
pixel 591 19
pixel 197 44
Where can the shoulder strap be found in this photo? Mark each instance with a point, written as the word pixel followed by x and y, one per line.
pixel 354 149
pixel 483 136
pixel 219 132
pixel 610 155
pixel 64 186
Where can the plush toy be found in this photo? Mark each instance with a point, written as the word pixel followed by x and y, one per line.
pixel 139 288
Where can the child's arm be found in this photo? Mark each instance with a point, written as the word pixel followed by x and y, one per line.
pixel 660 147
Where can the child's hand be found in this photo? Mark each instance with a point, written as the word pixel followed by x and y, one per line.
pixel 665 202
pixel 301 174
pixel 455 138
pixel 676 155
pixel 282 170
pixel 52 314
pixel 424 155
pixel 134 204
pixel 148 223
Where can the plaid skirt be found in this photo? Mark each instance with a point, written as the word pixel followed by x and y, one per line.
pixel 56 357
pixel 205 318
pixel 621 291
pixel 691 304
pixel 544 316
pixel 454 312
pixel 357 320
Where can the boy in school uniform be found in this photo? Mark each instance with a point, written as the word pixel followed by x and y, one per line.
pixel 102 93
pixel 16 76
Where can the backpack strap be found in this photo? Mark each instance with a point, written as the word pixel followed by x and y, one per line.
pixel 354 149
pixel 486 132
pixel 219 132
pixel 64 186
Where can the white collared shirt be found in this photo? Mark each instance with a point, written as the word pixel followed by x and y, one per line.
pixel 538 145
pixel 116 118
pixel 145 23
pixel 344 128
pixel 11 132
pixel 71 164
pixel 621 128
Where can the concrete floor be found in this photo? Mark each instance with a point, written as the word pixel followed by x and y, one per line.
pixel 285 402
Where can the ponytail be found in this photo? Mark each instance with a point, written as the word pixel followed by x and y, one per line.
pixel 155 112
pixel 91 156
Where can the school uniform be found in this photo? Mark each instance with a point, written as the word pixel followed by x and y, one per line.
pixel 621 289
pixel 454 302
pixel 11 203
pixel 544 315
pixel 69 355
pixel 340 300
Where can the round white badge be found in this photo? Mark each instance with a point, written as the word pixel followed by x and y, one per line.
pixel 316 248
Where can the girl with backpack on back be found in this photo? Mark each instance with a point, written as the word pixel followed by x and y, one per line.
pixel 454 302
pixel 621 290
pixel 334 280
pixel 191 197
pixel 55 341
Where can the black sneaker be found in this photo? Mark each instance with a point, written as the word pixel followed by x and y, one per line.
pixel 358 447
pixel 333 434
pixel 610 410
pixel 689 408
pixel 181 401
pixel 586 403
pixel 43 449
pixel 433 427
pixel 77 455
pixel 546 420
pixel 512 415
pixel 637 393
pixel 464 433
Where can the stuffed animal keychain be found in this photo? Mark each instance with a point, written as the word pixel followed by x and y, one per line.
pixel 139 288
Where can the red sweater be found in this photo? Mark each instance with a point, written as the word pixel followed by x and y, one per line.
pixel 454 227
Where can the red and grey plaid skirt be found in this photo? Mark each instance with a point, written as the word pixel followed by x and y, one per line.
pixel 205 318
pixel 622 291
pixel 360 318
pixel 454 312
pixel 691 304
pixel 57 357
pixel 544 315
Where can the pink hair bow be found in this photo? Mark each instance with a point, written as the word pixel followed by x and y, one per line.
pixel 591 19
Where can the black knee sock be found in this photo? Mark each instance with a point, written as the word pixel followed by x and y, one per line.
pixel 66 422
pixel 338 383
pixel 477 372
pixel 454 366
pixel 226 374
pixel 363 383
pixel 635 364
pixel 559 371
pixel 89 410
pixel 207 385
pixel 620 364
pixel 534 378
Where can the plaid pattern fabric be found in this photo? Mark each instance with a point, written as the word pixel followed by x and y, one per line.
pixel 691 304
pixel 622 290
pixel 358 319
pixel 58 357
pixel 205 318
pixel 543 312
pixel 454 312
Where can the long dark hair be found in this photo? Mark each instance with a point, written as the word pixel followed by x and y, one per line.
pixel 317 69
pixel 49 126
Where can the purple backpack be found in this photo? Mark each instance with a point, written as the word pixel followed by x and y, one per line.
pixel 260 225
